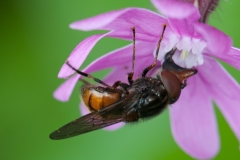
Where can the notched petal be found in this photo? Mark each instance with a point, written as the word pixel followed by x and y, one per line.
pixel 217 41
pixel 225 93
pixel 63 92
pixel 120 22
pixel 193 121
pixel 175 9
pixel 232 57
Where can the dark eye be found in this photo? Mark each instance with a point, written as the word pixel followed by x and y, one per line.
pixel 172 85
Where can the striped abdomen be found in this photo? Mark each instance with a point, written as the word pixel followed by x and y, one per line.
pixel 96 98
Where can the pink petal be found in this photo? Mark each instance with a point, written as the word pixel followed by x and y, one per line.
pixel 121 57
pixel 225 91
pixel 218 43
pixel 143 63
pixel 146 22
pixel 231 57
pixel 193 121
pixel 84 110
pixel 99 21
pixel 115 126
pixel 181 15
pixel 79 54
pixel 63 92
pixel 117 74
pixel 175 9
pixel 113 59
pixel 121 73
pixel 182 27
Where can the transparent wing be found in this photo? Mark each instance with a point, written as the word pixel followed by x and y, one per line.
pixel 110 115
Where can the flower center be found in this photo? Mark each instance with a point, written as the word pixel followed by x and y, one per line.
pixel 184 54
pixel 190 50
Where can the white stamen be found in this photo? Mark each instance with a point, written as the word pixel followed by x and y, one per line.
pixel 184 54
pixel 195 3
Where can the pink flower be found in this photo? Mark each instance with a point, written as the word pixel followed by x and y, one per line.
pixel 193 120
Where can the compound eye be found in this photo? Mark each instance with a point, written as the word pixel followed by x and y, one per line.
pixel 172 85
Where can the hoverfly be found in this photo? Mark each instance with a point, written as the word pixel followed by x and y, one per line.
pixel 141 98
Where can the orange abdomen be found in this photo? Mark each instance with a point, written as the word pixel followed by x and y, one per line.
pixel 97 97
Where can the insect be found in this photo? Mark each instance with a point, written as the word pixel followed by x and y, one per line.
pixel 142 98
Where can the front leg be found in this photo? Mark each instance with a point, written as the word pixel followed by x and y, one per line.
pixel 123 85
pixel 184 84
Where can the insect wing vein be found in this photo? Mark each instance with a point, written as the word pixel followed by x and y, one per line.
pixel 108 116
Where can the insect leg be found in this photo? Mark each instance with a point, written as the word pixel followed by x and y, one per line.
pixel 184 84
pixel 116 84
pixel 157 51
pixel 130 75
pixel 85 82
pixel 87 75
pixel 123 85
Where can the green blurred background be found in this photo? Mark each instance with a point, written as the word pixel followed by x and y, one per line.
pixel 35 41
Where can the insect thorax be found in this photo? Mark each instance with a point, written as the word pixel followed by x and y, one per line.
pixel 153 98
